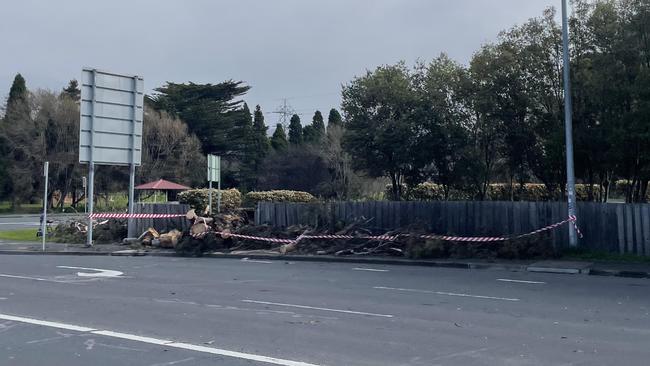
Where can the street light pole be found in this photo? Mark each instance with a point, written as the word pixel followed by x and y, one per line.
pixel 568 125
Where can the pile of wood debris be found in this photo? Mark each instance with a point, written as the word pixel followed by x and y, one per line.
pixel 230 234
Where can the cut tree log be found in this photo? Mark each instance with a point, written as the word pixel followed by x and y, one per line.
pixel 170 239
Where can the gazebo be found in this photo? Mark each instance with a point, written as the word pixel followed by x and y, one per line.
pixel 162 185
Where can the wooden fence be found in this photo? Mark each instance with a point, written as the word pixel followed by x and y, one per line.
pixel 162 225
pixel 610 227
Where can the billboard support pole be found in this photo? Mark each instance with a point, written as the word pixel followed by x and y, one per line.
pixel 219 184
pixel 91 193
pixel 91 164
pixel 46 170
pixel 210 196
pixel 130 223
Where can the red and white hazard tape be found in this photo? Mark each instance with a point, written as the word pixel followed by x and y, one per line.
pixel 109 215
pixel 476 239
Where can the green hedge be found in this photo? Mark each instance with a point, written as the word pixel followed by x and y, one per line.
pixel 279 196
pixel 429 191
pixel 231 199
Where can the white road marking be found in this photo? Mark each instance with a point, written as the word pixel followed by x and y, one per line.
pixel 444 293
pixel 104 273
pixel 369 269
pixel 255 261
pixel 174 362
pixel 160 342
pixel 30 278
pixel 521 281
pixel 45 323
pixel 317 308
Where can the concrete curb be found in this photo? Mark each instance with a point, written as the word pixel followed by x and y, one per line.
pixel 332 259
pixel 386 261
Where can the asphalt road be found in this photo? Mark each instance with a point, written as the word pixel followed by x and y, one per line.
pixel 177 311
pixel 15 222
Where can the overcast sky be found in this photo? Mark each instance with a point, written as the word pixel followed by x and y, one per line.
pixel 302 50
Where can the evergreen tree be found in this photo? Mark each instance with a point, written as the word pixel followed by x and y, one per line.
pixel 279 139
pixel 210 111
pixel 19 140
pixel 334 119
pixel 72 90
pixel 318 123
pixel 295 130
pixel 261 141
pixel 17 103
pixel 314 133
pixel 309 134
pixel 256 146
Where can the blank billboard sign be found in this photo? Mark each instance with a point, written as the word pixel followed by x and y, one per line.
pixel 111 118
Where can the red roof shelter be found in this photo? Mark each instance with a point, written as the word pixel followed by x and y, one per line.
pixel 162 185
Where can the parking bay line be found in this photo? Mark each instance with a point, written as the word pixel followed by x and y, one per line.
pixel 157 341
pixel 444 293
pixel 317 308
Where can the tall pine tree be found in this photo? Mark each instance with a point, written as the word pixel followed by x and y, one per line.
pixel 72 90
pixel 295 131
pixel 261 143
pixel 334 119
pixel 19 140
pixel 314 133
pixel 210 111
pixel 279 138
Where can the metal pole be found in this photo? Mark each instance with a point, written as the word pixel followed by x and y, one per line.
pixel 130 231
pixel 91 184
pixel 219 184
pixel 44 223
pixel 130 223
pixel 91 163
pixel 210 196
pixel 85 185
pixel 568 125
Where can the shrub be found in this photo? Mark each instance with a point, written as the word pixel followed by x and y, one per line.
pixel 198 199
pixel 427 191
pixel 279 196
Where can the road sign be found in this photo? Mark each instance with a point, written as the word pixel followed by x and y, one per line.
pixel 111 118
pixel 214 175
pixel 110 133
pixel 214 168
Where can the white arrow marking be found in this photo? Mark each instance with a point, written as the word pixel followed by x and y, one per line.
pixel 104 273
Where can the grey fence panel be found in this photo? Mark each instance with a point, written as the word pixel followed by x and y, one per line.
pixel 161 225
pixel 622 228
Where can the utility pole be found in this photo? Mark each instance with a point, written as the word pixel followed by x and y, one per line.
pixel 568 125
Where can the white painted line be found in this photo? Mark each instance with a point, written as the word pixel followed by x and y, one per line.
pixel 132 337
pixel 246 356
pixel 255 261
pixel 521 281
pixel 104 273
pixel 45 323
pixel 317 308
pixel 445 293
pixel 369 269
pixel 160 342
pixel 30 278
